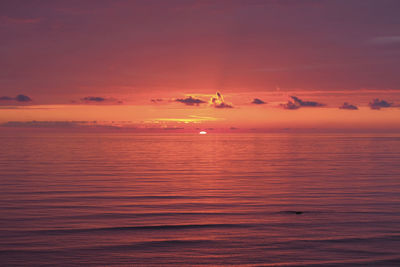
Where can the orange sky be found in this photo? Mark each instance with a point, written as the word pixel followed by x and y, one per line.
pixel 169 113
pixel 157 64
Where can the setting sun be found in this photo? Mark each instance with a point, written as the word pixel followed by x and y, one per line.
pixel 101 103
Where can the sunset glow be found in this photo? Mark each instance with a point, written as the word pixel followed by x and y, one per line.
pixel 231 70
pixel 199 133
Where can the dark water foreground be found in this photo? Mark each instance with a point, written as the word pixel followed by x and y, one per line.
pixel 260 199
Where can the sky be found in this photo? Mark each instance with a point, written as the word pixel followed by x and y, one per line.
pixel 188 65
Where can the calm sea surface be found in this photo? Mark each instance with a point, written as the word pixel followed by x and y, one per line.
pixel 180 199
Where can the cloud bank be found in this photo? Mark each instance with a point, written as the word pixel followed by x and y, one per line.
pixel 93 99
pixel 297 103
pixel 46 124
pixel 348 106
pixel 18 98
pixel 378 104
pixel 257 101
pixel 190 101
pixel 306 103
pixel 99 100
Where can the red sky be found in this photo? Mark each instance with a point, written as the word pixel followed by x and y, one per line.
pixel 142 63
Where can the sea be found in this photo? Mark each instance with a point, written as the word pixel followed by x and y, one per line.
pixel 240 199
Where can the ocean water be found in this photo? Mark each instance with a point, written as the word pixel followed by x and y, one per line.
pixel 120 199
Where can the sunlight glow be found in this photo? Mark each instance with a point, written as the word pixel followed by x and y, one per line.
pixel 203 132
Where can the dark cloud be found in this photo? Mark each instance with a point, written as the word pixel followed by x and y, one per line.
pixel 101 100
pixel 378 104
pixel 223 105
pixel 306 103
pixel 23 98
pixel 21 107
pixel 93 99
pixel 157 100
pixel 257 101
pixel 190 101
pixel 18 98
pixel 218 101
pixel 46 124
pixel 6 98
pixel 64 124
pixel 348 106
pixel 297 103
pixel 290 105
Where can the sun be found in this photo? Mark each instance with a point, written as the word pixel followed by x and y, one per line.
pixel 202 132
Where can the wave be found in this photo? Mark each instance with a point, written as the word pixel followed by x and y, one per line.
pixel 144 227
pixel 372 261
pixel 120 247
